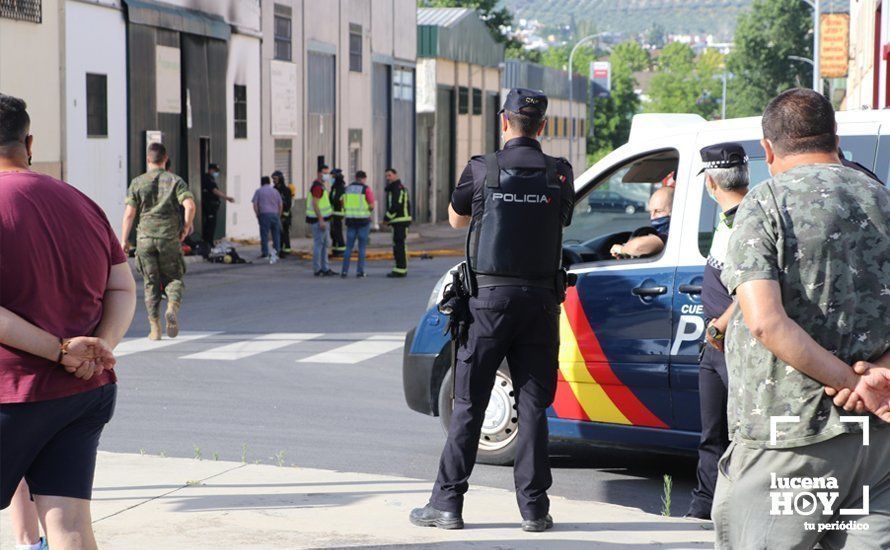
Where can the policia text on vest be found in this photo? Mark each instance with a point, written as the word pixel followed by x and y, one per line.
pixel 506 305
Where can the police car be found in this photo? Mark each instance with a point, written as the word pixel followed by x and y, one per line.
pixel 630 330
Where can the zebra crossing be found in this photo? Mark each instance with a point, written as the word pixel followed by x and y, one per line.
pixel 300 347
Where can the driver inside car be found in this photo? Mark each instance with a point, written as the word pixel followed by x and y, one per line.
pixel 649 240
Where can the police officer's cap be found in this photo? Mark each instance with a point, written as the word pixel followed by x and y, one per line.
pixel 723 155
pixel 532 103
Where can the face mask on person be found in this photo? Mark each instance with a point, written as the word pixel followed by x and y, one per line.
pixel 661 224
pixel 326 178
pixel 710 192
pixel 215 176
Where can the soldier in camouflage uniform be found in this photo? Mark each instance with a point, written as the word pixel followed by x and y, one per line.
pixel 155 198
pixel 809 261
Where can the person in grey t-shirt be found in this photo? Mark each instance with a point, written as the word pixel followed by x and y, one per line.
pixel 267 206
pixel 809 262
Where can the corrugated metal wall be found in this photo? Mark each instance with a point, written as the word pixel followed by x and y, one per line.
pixel 203 108
pixel 446 122
pixel 403 139
pixel 554 82
pixel 321 114
pixel 381 126
pixel 142 100
pixel 424 186
pixel 204 73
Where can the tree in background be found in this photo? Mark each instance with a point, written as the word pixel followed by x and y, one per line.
pixel 764 38
pixel 656 36
pixel 685 84
pixel 497 19
pixel 612 115
pixel 558 58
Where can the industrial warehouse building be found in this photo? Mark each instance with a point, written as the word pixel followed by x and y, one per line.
pixel 462 79
pixel 252 87
pixel 338 89
pixel 458 85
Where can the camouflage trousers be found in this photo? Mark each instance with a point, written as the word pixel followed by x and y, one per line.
pixel 162 267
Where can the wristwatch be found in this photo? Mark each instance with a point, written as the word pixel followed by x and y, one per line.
pixel 714 332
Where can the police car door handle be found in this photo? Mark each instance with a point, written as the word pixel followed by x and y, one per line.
pixel 649 290
pixel 690 289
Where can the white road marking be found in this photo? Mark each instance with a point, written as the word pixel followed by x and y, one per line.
pixel 137 345
pixel 254 346
pixel 357 352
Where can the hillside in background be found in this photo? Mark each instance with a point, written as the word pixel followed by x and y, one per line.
pixel 634 17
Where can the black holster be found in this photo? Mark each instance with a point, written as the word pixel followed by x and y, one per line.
pixel 564 280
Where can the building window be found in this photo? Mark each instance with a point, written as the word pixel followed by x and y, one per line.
pixel 22 10
pixel 565 127
pixel 97 105
pixel 240 111
pixel 463 100
pixel 477 101
pixel 355 48
pixel 403 85
pixel 581 127
pixel 283 32
pixel 284 158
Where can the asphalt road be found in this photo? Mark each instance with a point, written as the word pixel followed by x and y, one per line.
pixel 265 376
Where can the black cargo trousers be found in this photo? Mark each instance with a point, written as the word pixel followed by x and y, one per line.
pixel 712 392
pixel 520 324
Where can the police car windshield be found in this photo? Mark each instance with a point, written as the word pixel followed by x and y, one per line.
pixel 618 201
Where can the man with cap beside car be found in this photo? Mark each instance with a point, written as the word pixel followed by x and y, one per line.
pixel 515 257
pixel 726 181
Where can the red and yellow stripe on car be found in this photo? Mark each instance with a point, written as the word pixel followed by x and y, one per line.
pixel 588 388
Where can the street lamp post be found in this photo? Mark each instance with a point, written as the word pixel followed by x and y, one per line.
pixel 817 30
pixel 572 94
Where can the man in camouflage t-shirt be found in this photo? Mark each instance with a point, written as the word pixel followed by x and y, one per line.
pixel 809 261
pixel 155 197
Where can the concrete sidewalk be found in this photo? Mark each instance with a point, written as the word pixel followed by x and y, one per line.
pixel 153 502
pixel 436 239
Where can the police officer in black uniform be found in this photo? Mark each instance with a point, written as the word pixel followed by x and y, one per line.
pixel 515 252
pixel 726 181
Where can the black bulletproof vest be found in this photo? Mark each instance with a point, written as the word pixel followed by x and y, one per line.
pixel 519 232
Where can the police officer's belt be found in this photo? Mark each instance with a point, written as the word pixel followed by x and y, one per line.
pixel 483 281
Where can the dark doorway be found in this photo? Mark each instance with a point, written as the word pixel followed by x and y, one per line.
pixel 204 152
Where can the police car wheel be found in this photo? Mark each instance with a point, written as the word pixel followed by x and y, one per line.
pixel 497 443
pixel 630 209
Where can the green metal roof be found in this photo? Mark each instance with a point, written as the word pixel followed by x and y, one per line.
pixel 457 34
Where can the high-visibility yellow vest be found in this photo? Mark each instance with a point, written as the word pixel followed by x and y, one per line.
pixel 355 202
pixel 324 204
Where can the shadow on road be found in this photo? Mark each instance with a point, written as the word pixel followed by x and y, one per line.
pixel 536 542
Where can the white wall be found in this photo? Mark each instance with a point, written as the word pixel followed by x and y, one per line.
pixel 30 69
pixel 243 156
pixel 95 37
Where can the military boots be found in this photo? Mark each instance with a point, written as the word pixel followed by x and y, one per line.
pixel 155 333
pixel 172 318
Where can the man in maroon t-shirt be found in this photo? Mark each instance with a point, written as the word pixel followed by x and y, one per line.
pixel 67 298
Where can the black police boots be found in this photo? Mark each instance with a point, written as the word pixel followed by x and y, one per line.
pixel 430 517
pixel 537 525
